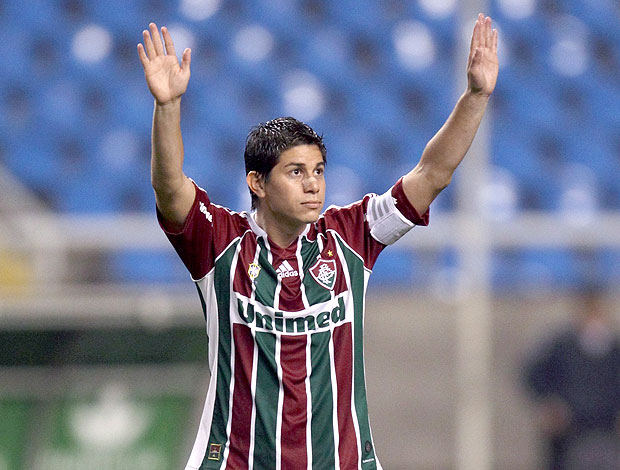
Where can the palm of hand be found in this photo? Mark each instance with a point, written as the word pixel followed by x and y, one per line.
pixel 165 78
pixel 483 72
pixel 483 66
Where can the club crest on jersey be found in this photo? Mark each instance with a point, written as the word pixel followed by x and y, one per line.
pixel 324 273
pixel 253 270
pixel 214 451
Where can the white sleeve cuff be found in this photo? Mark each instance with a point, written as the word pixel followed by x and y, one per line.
pixel 386 222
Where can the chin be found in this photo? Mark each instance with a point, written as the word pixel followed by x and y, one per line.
pixel 309 218
pixel 314 216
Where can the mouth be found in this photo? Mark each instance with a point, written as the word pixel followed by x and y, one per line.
pixel 312 204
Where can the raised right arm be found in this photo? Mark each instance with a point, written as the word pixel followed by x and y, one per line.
pixel 167 81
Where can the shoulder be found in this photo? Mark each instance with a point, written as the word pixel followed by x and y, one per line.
pixel 350 216
pixel 217 214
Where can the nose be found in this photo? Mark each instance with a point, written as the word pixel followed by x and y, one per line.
pixel 311 184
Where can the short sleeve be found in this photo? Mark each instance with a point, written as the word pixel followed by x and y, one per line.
pixel 194 241
pixel 207 230
pixel 376 221
pixel 404 206
pixel 391 215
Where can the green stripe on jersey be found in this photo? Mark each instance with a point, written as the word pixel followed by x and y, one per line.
pixel 315 293
pixel 202 301
pixel 266 396
pixel 356 275
pixel 267 279
pixel 322 403
pixel 217 436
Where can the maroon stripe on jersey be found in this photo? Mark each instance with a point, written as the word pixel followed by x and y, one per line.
pixel 242 282
pixel 341 280
pixel 242 399
pixel 290 292
pixel 295 404
pixel 343 362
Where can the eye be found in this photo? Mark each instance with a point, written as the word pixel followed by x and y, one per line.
pixel 319 171
pixel 296 172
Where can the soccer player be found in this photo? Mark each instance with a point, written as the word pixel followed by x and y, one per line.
pixel 282 287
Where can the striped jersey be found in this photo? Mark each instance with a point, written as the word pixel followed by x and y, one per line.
pixel 285 332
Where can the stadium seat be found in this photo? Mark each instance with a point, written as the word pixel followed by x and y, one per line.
pixel 64 107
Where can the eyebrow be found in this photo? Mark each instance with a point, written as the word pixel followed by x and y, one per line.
pixel 301 165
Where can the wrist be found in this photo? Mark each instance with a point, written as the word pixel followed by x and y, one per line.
pixel 170 104
pixel 474 101
pixel 476 95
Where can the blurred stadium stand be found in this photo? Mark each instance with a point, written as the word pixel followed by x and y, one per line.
pixel 377 78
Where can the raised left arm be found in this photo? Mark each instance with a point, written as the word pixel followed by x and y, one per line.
pixel 445 151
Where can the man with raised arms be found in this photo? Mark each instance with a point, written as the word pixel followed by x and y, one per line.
pixel 282 287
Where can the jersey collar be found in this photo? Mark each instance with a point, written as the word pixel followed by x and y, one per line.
pixel 251 216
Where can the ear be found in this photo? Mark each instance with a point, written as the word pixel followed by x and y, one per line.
pixel 256 183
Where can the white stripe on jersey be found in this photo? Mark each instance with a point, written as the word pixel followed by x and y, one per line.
pixel 254 375
pixel 300 268
pixel 309 401
pixel 280 404
pixel 255 261
pixel 334 381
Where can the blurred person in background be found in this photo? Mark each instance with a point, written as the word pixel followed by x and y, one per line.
pixel 574 379
pixel 297 399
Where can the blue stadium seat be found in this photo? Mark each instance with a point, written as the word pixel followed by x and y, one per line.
pixel 363 15
pixel 377 114
pixel 532 157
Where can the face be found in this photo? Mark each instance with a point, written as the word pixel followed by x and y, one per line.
pixel 294 192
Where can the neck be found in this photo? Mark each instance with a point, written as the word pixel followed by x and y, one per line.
pixel 279 232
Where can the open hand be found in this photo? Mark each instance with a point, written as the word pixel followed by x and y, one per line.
pixel 166 79
pixel 483 66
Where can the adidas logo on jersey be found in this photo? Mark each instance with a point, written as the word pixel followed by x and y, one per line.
pixel 286 270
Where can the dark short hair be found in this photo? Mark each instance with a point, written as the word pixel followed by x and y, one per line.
pixel 266 142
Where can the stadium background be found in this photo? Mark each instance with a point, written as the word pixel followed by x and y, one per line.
pixel 102 349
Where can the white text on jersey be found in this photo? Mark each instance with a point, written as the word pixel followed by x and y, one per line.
pixel 286 270
pixel 207 214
